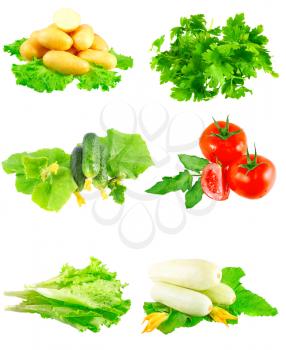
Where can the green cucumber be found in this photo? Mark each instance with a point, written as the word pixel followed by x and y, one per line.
pixel 101 180
pixel 91 155
pixel 76 167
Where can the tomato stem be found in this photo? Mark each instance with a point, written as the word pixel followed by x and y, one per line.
pixel 251 163
pixel 224 133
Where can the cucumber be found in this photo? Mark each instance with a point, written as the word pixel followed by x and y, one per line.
pixel 91 155
pixel 101 180
pixel 76 167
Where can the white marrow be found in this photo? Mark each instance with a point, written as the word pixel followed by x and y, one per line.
pixel 182 299
pixel 194 274
pixel 221 294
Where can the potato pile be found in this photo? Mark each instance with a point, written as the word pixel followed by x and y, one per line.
pixel 67 46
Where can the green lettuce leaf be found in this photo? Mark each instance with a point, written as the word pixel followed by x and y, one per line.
pixel 128 155
pixel 14 48
pixel 246 303
pixel 83 298
pixel 98 77
pixel 40 78
pixel 123 62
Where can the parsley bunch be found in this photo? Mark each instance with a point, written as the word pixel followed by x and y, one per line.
pixel 202 62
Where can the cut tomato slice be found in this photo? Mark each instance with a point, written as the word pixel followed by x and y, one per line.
pixel 214 182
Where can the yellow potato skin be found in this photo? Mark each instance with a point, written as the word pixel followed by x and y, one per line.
pixel 54 39
pixel 99 43
pixel 83 37
pixel 65 63
pixel 66 19
pixel 32 49
pixel 102 58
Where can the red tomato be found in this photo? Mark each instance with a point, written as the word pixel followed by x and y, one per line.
pixel 223 142
pixel 251 176
pixel 214 182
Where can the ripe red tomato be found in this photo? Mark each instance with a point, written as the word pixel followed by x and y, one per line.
pixel 214 182
pixel 251 176
pixel 223 142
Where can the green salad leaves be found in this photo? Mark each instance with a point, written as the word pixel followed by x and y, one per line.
pixel 187 181
pixel 46 174
pixel 85 298
pixel 203 62
pixel 42 79
pixel 247 303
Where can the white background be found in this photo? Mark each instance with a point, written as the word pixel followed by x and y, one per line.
pixel 35 244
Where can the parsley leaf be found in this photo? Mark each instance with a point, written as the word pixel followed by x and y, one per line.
pixel 202 62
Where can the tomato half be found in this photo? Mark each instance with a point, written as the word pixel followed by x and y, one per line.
pixel 223 142
pixel 214 182
pixel 251 176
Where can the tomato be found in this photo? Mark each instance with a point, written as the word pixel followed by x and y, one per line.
pixel 214 182
pixel 223 142
pixel 251 176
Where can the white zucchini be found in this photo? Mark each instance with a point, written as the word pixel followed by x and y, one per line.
pixel 182 299
pixel 194 274
pixel 221 294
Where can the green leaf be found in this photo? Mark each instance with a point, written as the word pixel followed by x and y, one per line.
pixel 14 164
pixel 25 185
pixel 247 302
pixel 53 194
pixel 14 48
pixel 128 155
pixel 118 193
pixel 156 45
pixel 34 166
pixel 82 298
pixel 181 182
pixel 36 76
pixel 193 163
pixel 194 195
pixel 123 62
pixel 98 77
pixel 54 155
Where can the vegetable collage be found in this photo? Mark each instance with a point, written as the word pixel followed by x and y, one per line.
pixel 198 62
pixel 187 292
pixel 64 51
pixel 228 165
pixel 51 176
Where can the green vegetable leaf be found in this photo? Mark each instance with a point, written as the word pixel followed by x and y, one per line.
pixel 34 166
pixel 36 76
pixel 55 191
pixel 14 164
pixel 246 303
pixel 194 195
pixel 123 62
pixel 193 163
pixel 54 155
pixel 14 48
pixel 181 182
pixel 83 298
pixel 25 185
pixel 128 155
pixel 98 77
pixel 201 63
pixel 118 193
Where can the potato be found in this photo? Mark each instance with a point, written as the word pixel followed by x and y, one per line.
pixel 65 62
pixel 102 58
pixel 83 37
pixel 32 49
pixel 54 39
pixel 66 20
pixel 99 43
